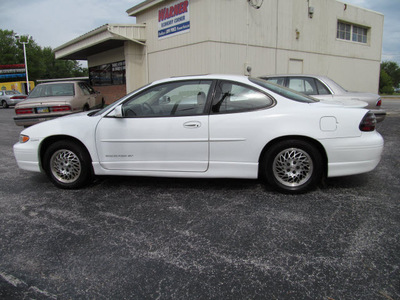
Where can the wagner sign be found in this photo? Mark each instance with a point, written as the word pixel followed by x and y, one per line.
pixel 173 19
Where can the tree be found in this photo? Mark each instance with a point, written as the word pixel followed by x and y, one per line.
pixel 392 69
pixel 41 61
pixel 385 83
pixel 9 50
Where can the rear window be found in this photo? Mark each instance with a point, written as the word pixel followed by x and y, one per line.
pixel 53 90
pixel 13 93
pixel 284 92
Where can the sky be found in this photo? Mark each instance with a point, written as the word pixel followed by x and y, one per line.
pixel 391 30
pixel 52 23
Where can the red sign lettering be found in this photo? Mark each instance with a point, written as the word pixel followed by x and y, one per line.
pixel 176 10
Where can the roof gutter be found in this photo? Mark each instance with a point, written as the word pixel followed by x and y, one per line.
pixel 142 7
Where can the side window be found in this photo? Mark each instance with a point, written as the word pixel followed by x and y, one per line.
pixel 84 88
pixel 277 80
pixel 171 99
pixel 231 97
pixel 303 85
pixel 91 90
pixel 322 89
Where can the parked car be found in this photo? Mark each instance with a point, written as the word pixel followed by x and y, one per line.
pixel 55 99
pixel 11 98
pixel 206 127
pixel 324 88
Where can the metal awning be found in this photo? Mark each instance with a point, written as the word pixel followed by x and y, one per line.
pixel 106 37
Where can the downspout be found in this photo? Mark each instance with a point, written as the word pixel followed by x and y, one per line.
pixel 247 33
pixel 276 42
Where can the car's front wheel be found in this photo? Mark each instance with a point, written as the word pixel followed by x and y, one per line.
pixel 293 166
pixel 68 165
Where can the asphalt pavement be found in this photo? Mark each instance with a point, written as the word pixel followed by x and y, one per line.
pixel 151 238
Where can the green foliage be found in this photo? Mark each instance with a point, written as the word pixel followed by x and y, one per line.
pixel 385 83
pixel 9 50
pixel 41 61
pixel 393 70
pixel 389 77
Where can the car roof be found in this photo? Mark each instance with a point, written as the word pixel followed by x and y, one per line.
pixel 297 75
pixel 58 82
pixel 239 78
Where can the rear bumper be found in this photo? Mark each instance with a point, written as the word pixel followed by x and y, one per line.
pixel 31 120
pixel 379 114
pixel 351 156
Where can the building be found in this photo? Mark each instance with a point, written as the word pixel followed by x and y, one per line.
pixel 251 37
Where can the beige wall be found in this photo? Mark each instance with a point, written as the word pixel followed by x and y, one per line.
pixel 106 57
pixel 135 65
pixel 226 34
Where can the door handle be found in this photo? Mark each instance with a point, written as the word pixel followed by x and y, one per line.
pixel 192 125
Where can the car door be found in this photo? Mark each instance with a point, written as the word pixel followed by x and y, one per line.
pixel 236 118
pixel 164 128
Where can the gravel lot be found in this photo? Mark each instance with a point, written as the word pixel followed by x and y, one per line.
pixel 149 238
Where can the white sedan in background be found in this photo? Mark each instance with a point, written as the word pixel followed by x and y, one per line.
pixel 213 126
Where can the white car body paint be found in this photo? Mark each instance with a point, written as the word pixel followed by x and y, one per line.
pixel 209 146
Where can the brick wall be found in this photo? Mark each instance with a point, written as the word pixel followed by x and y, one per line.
pixel 111 93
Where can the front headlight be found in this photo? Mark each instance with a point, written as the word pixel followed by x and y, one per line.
pixel 23 138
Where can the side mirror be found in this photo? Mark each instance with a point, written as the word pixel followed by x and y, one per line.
pixel 116 112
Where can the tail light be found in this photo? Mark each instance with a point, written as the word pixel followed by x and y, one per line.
pixel 60 108
pixel 368 123
pixel 18 97
pixel 22 111
pixel 379 102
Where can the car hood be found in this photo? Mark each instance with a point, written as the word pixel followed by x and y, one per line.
pixel 45 101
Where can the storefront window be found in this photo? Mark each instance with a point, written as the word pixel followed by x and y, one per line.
pixel 108 74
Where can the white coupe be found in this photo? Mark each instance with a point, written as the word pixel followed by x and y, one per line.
pixel 213 126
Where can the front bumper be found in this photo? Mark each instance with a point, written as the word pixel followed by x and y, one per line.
pixel 26 155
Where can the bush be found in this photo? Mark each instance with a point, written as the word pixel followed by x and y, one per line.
pixel 388 90
pixel 385 83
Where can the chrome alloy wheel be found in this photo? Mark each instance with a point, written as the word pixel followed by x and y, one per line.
pixel 292 167
pixel 65 166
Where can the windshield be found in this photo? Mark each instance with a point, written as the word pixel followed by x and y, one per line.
pixel 120 100
pixel 50 90
pixel 285 92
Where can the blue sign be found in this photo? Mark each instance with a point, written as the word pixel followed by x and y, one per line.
pixel 173 19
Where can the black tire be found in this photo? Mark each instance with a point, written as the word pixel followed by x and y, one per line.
pixel 4 104
pixel 293 166
pixel 68 165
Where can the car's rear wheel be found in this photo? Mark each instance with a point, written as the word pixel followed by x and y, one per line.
pixel 68 165
pixel 293 166
pixel 4 104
